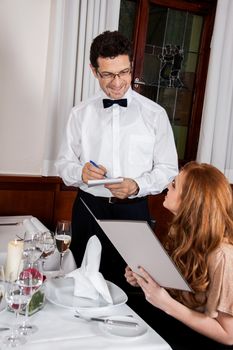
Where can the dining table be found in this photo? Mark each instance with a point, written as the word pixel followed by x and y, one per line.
pixel 57 323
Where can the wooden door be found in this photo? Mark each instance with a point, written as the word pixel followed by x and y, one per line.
pixel 171 54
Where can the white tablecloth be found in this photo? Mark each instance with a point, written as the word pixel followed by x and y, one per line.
pixel 59 329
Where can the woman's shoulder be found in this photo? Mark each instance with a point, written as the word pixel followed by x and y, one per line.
pixel 220 293
pixel 224 253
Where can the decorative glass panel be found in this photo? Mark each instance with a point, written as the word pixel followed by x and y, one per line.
pixel 170 61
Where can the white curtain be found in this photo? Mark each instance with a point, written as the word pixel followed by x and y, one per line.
pixel 216 137
pixel 73 25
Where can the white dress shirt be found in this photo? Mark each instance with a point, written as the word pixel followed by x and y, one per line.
pixel 135 142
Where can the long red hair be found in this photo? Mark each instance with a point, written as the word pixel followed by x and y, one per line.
pixel 203 221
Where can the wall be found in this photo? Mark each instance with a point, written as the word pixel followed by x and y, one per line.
pixel 24 30
pixel 48 199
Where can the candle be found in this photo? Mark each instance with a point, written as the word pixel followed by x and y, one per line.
pixel 13 260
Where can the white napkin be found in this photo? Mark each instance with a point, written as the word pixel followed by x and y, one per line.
pixel 39 226
pixel 88 281
pixel 29 226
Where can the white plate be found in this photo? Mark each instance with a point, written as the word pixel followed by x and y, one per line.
pixel 124 331
pixel 59 291
pixel 3 305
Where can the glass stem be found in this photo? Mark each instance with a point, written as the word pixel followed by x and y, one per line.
pixel 14 331
pixel 61 260
pixel 25 321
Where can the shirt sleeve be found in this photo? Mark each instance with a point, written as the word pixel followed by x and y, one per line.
pixel 68 163
pixel 165 160
pixel 220 295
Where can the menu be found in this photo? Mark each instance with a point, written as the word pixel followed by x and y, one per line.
pixel 139 246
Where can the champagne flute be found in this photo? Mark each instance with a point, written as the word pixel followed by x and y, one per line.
pixel 63 239
pixel 17 298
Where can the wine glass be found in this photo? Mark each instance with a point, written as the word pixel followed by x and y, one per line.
pixel 17 298
pixel 36 281
pixel 47 239
pixel 63 236
pixel 33 247
pixel 2 283
pixel 2 273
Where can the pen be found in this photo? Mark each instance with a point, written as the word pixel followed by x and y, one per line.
pixel 96 165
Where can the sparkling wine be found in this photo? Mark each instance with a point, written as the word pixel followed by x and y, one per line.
pixel 63 242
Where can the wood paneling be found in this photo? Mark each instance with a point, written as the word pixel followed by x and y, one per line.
pixel 49 200
pixel 161 215
pixel 29 195
pixel 63 205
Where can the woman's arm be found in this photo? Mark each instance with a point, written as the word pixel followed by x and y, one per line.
pixel 219 329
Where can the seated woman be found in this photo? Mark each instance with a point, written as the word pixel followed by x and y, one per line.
pixel 200 242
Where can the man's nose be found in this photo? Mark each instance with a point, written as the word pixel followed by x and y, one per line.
pixel 116 81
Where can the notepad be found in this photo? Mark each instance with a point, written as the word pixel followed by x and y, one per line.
pixel 104 181
pixel 139 246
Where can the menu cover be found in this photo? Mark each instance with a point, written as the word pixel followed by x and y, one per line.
pixel 139 246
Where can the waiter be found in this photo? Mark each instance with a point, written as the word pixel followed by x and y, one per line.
pixel 115 133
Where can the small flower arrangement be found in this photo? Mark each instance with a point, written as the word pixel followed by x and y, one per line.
pixel 38 297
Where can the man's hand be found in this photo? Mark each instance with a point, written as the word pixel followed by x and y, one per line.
pixel 127 188
pixel 91 172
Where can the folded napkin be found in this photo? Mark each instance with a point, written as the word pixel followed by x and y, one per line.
pixel 39 226
pixel 29 226
pixel 33 225
pixel 88 281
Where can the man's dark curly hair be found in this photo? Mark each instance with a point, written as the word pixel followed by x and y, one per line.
pixel 109 44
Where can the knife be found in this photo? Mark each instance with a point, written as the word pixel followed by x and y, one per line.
pixel 110 321
pixel 9 223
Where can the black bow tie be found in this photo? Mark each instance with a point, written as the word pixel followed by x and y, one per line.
pixel 108 103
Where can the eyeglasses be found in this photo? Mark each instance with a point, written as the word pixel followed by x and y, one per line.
pixel 112 76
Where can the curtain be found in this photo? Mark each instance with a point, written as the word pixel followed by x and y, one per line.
pixel 73 25
pixel 216 136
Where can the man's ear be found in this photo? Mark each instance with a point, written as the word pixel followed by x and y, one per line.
pixel 93 71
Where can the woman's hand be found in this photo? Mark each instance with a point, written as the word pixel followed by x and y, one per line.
pixel 154 294
pixel 130 277
pixel 219 329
